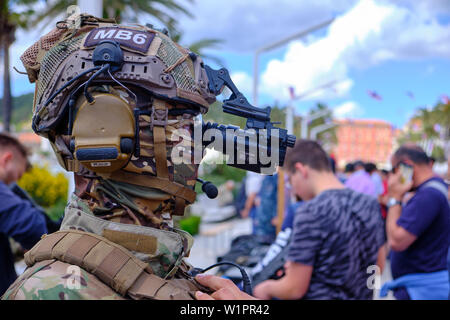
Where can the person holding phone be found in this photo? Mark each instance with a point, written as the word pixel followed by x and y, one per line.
pixel 418 231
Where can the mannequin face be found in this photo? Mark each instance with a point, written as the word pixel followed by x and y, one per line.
pixel 12 166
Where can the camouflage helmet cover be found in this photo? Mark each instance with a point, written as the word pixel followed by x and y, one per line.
pixel 153 67
pixel 151 61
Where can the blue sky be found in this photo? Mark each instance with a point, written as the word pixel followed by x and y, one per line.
pixel 426 79
pixel 390 47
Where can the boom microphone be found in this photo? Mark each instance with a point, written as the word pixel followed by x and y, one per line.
pixel 209 188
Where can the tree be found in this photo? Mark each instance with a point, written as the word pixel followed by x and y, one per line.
pixel 162 10
pixel 430 125
pixel 9 22
pixel 327 137
pixel 197 47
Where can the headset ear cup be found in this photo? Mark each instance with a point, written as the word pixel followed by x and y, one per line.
pixel 103 133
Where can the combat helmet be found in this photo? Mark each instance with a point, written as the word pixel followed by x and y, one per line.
pixel 108 97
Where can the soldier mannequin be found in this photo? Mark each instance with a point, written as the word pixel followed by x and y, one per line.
pixel 116 102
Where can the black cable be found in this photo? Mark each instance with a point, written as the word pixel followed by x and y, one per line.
pixel 123 86
pixel 88 96
pixel 246 282
pixel 71 105
pixel 68 83
pixel 72 98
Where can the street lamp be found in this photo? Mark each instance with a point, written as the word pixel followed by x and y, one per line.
pixel 311 117
pixel 318 129
pixel 290 112
pixel 275 45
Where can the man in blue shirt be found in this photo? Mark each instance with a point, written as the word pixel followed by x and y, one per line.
pixel 18 218
pixel 419 231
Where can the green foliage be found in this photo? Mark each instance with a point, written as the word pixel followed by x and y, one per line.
pixel 121 10
pixel 11 20
pixel 162 10
pixel 44 187
pixel 197 47
pixel 327 135
pixel 429 120
pixel 279 115
pixel 216 114
pixel 438 154
pixel 190 224
pixel 219 174
pixel 22 107
pixel 57 210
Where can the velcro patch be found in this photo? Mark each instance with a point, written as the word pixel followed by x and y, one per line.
pixel 132 241
pixel 130 38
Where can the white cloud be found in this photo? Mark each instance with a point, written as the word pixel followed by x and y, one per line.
pixel 349 109
pixel 243 82
pixel 365 33
pixel 369 33
pixel 247 25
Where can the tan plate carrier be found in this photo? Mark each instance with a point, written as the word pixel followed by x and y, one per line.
pixel 111 263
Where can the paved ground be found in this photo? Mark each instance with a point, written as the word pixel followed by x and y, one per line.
pixel 214 240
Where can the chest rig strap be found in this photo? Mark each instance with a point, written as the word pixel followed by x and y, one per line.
pixel 111 263
pixel 158 125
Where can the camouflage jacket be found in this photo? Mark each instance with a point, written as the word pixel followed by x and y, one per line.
pixel 57 280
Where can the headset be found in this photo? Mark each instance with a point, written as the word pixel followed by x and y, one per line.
pixel 104 127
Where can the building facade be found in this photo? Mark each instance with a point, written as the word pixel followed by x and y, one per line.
pixel 366 140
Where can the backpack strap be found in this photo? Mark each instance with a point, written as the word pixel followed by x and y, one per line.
pixel 437 186
pixel 111 263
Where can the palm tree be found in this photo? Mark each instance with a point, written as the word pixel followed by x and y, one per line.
pixel 162 10
pixel 126 10
pixel 9 22
pixel 434 125
pixel 197 47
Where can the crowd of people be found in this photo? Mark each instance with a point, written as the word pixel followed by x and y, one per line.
pixel 347 223
pixel 341 225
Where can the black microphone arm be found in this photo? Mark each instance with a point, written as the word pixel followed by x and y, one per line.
pixel 209 188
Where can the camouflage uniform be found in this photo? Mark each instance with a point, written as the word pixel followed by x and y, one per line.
pixel 104 203
pixel 53 279
pixel 120 136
